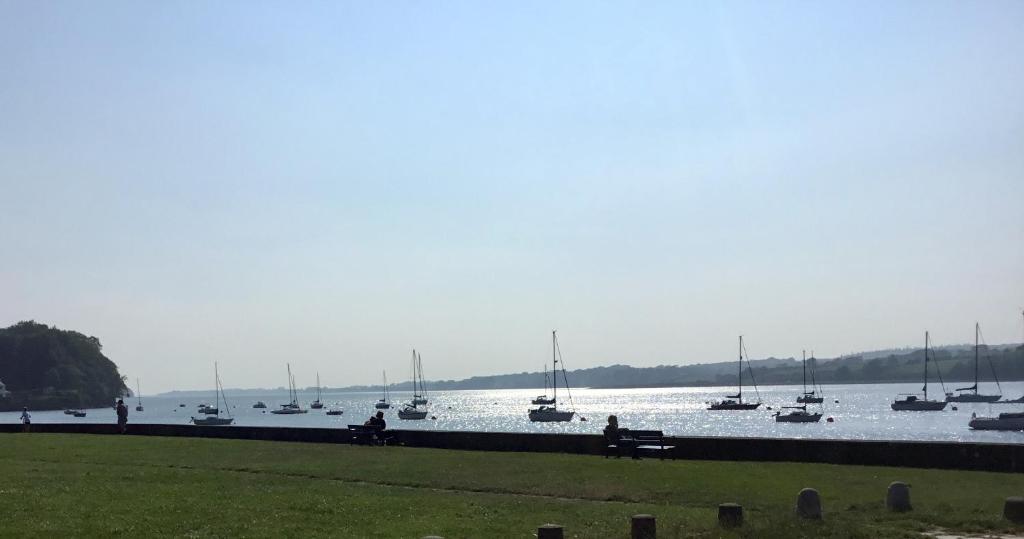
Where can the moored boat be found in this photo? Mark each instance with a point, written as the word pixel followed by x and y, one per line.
pixel 971 394
pixel 549 413
pixel 915 403
pixel 214 418
pixel 735 402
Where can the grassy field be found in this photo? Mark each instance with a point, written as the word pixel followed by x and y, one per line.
pixel 83 486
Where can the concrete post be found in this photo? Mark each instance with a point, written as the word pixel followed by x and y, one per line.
pixel 549 531
pixel 1013 509
pixel 808 504
pixel 644 527
pixel 730 514
pixel 897 498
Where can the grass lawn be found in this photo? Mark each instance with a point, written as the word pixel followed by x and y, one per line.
pixel 60 485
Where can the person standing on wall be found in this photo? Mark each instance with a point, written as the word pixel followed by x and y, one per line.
pixel 122 416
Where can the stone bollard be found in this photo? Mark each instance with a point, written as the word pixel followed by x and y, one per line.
pixel 730 514
pixel 432 537
pixel 644 527
pixel 549 531
pixel 808 504
pixel 898 497
pixel 1013 509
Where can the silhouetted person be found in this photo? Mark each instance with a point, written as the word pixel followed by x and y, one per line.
pixel 26 419
pixel 620 438
pixel 377 422
pixel 122 416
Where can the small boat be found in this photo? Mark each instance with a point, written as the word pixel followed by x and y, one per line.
pixel 70 411
pixel 316 405
pixel 798 415
pixel 912 402
pixel 138 389
pixel 334 412
pixel 293 406
pixel 214 419
pixel 384 403
pixel 970 394
pixel 181 405
pixel 1005 421
pixel 411 410
pixel 79 414
pixel 544 399
pixel 259 404
pixel 735 402
pixel 207 409
pixel 812 396
pixel 550 413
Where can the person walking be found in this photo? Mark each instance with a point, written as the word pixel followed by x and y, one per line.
pixel 122 416
pixel 26 419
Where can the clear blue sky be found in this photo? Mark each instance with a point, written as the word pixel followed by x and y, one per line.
pixel 332 184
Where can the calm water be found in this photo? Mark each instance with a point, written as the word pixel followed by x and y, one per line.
pixel 862 413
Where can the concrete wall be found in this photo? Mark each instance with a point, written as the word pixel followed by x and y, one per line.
pixel 951 455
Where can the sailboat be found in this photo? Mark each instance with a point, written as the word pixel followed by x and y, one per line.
pixel 549 412
pixel 384 403
pixel 316 405
pixel 810 397
pixel 973 395
pixel 911 402
pixel 735 402
pixel 798 415
pixel 419 399
pixel 543 399
pixel 215 419
pixel 293 406
pixel 138 390
pixel 411 410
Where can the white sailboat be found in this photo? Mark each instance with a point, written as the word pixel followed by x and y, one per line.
pixel 316 405
pixel 293 406
pixel 214 419
pixel 384 403
pixel 735 402
pixel 912 402
pixel 419 399
pixel 138 390
pixel 814 395
pixel 970 394
pixel 549 413
pixel 544 399
pixel 411 409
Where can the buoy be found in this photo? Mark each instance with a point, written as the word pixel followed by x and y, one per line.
pixel 955 408
pixel 582 418
pixel 837 401
pixel 769 408
pixel 433 417
pixel 830 420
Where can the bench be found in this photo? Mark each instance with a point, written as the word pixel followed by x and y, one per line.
pixel 366 435
pixel 639 440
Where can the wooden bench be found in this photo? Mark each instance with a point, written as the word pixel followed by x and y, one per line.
pixel 639 440
pixel 366 435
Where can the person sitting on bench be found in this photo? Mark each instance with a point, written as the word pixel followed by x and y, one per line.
pixel 378 423
pixel 619 438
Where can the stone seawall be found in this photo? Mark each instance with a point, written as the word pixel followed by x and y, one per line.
pixel 949 455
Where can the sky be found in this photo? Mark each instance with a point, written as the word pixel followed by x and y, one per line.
pixel 333 184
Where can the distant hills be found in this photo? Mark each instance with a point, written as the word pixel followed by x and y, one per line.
pixel 955 363
pixel 45 368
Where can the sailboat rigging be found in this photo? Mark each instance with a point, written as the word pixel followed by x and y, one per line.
pixel 384 403
pixel 814 395
pixel 138 390
pixel 970 394
pixel 735 402
pixel 214 418
pixel 550 413
pixel 316 405
pixel 411 410
pixel 293 405
pixel 544 399
pixel 911 402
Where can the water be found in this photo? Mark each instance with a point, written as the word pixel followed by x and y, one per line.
pixel 862 413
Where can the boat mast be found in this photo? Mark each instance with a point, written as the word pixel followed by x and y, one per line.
pixel 554 369
pixel 138 388
pixel 216 389
pixel 805 371
pixel 976 330
pixel 739 377
pixel 926 365
pixel 318 386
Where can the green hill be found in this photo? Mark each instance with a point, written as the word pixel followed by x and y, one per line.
pixel 45 368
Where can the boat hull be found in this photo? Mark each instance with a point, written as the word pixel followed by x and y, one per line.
pixel 810 400
pixel 212 421
pixel 919 406
pixel 543 400
pixel 412 414
pixel 797 418
pixel 316 405
pixel 382 405
pixel 138 408
pixel 550 416
pixel 972 397
pixel 289 411
pixel 734 406
pixel 1003 422
pixel 334 412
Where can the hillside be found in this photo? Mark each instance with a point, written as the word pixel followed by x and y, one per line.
pixel 45 368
